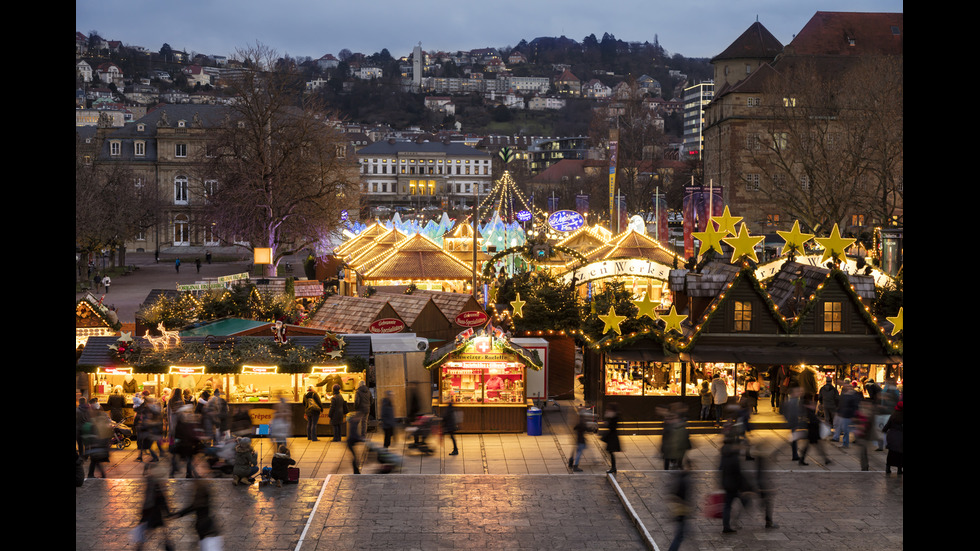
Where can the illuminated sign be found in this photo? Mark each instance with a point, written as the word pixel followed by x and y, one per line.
pixel 186 370
pixel 116 370
pixel 387 325
pixel 472 318
pixel 259 369
pixel 327 370
pixel 565 220
pixel 523 216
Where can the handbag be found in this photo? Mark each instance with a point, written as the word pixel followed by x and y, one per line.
pixel 714 505
pixel 824 430
pixel 292 475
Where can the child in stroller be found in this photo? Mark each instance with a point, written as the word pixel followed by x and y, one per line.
pixel 122 436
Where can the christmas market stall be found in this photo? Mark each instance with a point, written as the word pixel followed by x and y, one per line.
pixel 485 375
pixel 259 375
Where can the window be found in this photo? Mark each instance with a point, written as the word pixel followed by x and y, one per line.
pixel 780 140
pixel 643 378
pixel 805 182
pixel 857 219
pixel 209 236
pixel 832 317
pixel 743 315
pixel 210 189
pixel 139 148
pixel 114 148
pixel 180 190
pixel 752 182
pixel 182 235
pixel 180 150
pixel 753 102
pixel 772 220
pixel 789 102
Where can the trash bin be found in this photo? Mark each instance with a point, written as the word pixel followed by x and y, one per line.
pixel 533 421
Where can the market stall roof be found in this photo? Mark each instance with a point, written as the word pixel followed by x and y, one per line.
pixel 222 327
pixel 632 244
pixel 345 314
pixel 418 258
pixel 98 351
pixel 529 356
pixel 451 304
pixel 364 256
pixel 409 307
pixel 361 240
pixel 586 238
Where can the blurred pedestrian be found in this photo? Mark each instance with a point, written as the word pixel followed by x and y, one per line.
pixel 197 262
pixel 733 481
pixel 814 438
pixel 580 429
pixel 679 501
pixel 314 407
pixel 203 414
pixel 829 400
pixel 362 405
pixel 116 403
pixel 353 437
pixel 863 425
pixel 155 509
pixel 450 424
pixel 388 416
pixel 766 488
pixel 792 412
pixel 81 418
pixel 217 410
pixel 611 437
pixel 173 407
pixel 98 434
pixel 246 462
pixel 752 388
pixel 151 428
pixel 676 439
pixel 177 264
pixel 204 524
pixel 894 431
pixel 281 424
pixel 187 440
pixel 719 393
pixel 337 413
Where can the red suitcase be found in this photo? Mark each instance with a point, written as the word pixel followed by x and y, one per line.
pixel 292 475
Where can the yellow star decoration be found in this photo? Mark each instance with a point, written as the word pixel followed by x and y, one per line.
pixel 710 238
pixel 517 305
pixel 612 321
pixel 673 320
pixel 126 337
pixel 794 239
pixel 833 246
pixel 898 322
pixel 744 244
pixel 646 307
pixel 727 222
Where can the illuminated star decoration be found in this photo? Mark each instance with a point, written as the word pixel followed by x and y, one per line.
pixel 710 238
pixel 517 305
pixel 744 244
pixel 794 239
pixel 898 322
pixel 673 320
pixel 125 337
pixel 833 246
pixel 726 222
pixel 612 321
pixel 646 307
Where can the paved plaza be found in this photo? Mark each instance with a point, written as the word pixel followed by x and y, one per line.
pixel 511 491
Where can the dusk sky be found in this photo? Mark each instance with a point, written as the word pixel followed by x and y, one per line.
pixel 692 28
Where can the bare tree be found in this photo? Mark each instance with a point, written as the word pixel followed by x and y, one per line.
pixel 283 169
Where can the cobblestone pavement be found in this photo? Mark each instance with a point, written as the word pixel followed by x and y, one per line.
pixel 512 491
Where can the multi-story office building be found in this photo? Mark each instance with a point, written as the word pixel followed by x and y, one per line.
pixel 696 98
pixel 447 175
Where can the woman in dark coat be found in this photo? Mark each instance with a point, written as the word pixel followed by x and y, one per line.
pixel 611 438
pixel 338 409
pixel 894 431
pixel 155 509
pixel 116 403
pixel 313 410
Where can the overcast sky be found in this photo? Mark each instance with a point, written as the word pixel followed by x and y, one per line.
pixel 692 28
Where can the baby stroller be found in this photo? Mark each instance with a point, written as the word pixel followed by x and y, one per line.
pixel 221 457
pixel 122 436
pixel 420 431
pixel 389 461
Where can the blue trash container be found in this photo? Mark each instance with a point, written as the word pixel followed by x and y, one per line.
pixel 533 421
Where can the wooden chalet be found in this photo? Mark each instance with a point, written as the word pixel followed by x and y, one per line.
pixel 421 261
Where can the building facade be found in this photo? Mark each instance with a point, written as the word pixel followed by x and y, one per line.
pixel 696 98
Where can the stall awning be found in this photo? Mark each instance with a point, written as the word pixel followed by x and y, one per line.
pixel 640 355
pixel 779 355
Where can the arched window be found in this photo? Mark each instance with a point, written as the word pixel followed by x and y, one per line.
pixel 180 190
pixel 182 230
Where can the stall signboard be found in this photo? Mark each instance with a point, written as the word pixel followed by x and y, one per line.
pixel 261 416
pixel 387 325
pixel 115 371
pixel 472 318
pixel 186 370
pixel 565 220
pixel 328 369
pixel 259 369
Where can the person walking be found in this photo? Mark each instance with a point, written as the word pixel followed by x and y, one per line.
pixel 362 405
pixel 611 437
pixel 204 524
pixel 580 429
pixel 187 440
pixel 812 433
pixel 177 264
pixel 732 481
pixel 314 407
pixel 676 440
pixel 863 425
pixel 218 411
pixel 830 401
pixel 766 488
pixel 680 503
pixel 197 262
pixel 81 418
pixel 792 412
pixel 337 413
pixel 719 393
pixel 388 416
pixel 116 402
pixel 106 282
pixel 353 437
pixel 155 509
pixel 894 431
pixel 281 424
pixel 97 435
pixel 449 424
